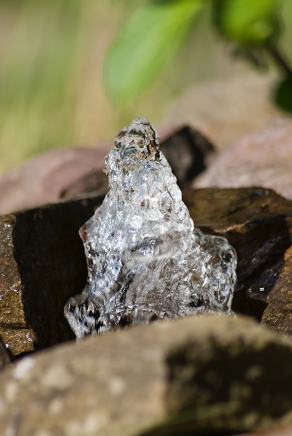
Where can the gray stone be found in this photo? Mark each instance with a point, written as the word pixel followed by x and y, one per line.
pixel 227 108
pixel 203 374
pixel 47 177
pixel 263 158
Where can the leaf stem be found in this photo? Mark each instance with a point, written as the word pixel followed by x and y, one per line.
pixel 279 59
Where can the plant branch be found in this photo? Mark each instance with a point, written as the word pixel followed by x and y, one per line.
pixel 279 59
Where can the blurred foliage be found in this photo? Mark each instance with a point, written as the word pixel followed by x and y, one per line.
pixel 283 94
pixel 156 29
pixel 149 38
pixel 36 83
pixel 51 93
pixel 52 53
pixel 247 22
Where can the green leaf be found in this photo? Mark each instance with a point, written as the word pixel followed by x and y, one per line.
pixel 247 22
pixel 283 95
pixel 145 44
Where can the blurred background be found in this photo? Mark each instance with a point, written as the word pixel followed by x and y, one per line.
pixel 52 92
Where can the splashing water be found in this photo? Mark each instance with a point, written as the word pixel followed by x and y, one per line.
pixel 145 258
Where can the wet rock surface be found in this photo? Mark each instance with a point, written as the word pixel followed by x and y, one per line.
pixel 262 158
pixel 42 262
pixel 257 223
pixel 197 375
pixel 278 314
pixel 4 356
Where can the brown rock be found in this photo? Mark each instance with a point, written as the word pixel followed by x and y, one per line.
pixel 14 331
pixel 204 374
pixel 42 261
pixel 257 222
pixel 94 182
pixel 4 356
pixel 276 431
pixel 278 314
pixel 263 158
pixel 41 264
pixel 187 152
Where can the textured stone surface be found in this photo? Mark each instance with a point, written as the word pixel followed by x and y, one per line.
pixel 14 331
pixel 275 431
pixel 4 356
pixel 204 374
pixel 263 158
pixel 145 258
pixel 257 222
pixel 278 314
pixel 41 261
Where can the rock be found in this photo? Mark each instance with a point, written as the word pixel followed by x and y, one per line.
pixel 263 158
pixel 257 223
pixel 227 108
pixel 187 152
pixel 41 264
pixel 278 314
pixel 93 182
pixel 186 149
pixel 276 431
pixel 4 356
pixel 204 374
pixel 45 178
